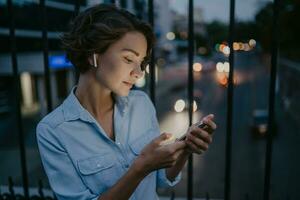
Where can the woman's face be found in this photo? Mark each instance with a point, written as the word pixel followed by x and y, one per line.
pixel 119 66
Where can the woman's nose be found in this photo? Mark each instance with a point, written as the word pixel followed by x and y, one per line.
pixel 137 72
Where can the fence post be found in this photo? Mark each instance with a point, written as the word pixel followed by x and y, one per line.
pixel 228 146
pixel 46 55
pixel 152 68
pixel 207 196
pixel 271 114
pixel 190 91
pixel 18 98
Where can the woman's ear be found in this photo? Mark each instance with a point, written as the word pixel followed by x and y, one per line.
pixel 93 60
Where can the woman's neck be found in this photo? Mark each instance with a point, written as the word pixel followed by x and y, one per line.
pixel 93 96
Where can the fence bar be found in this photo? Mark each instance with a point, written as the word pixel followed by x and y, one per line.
pixel 207 196
pixel 76 8
pixel 46 54
pixel 190 92
pixel 11 188
pixel 228 147
pixel 40 189
pixel 271 115
pixel 76 12
pixel 123 4
pixel 18 98
pixel 152 62
pixel 247 197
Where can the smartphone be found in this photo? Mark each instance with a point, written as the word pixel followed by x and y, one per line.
pixel 201 125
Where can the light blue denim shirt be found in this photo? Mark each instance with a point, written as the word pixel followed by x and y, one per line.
pixel 82 162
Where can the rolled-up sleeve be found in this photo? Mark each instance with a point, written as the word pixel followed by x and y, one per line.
pixel 63 177
pixel 163 181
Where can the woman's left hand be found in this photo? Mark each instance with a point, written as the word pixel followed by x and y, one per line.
pixel 198 139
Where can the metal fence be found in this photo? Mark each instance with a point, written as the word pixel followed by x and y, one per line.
pixel 231 37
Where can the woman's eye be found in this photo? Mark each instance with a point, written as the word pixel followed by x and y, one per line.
pixel 128 60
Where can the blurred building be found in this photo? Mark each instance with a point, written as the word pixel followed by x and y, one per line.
pixel 29 53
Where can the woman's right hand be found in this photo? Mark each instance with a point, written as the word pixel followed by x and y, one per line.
pixel 156 156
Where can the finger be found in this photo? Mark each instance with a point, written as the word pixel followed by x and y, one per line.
pixel 199 143
pixel 202 134
pixel 162 137
pixel 210 123
pixel 193 147
pixel 206 127
pixel 209 117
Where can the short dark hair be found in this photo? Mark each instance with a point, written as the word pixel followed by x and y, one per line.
pixel 96 28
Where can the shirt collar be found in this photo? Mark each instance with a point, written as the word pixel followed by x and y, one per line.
pixel 73 110
pixel 122 102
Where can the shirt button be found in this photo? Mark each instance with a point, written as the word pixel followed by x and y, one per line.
pixel 98 165
pixel 118 143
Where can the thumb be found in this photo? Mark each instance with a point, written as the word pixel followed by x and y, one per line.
pixel 163 136
pixel 209 117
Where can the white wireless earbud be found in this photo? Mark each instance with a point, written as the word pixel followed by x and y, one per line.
pixel 95 60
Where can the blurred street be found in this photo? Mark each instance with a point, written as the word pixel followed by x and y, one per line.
pixel 248 152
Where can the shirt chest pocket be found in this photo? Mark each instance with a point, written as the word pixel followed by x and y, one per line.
pixel 137 144
pixel 98 172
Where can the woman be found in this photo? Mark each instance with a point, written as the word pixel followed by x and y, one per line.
pixel 104 142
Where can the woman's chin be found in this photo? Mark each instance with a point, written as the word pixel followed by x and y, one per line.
pixel 122 93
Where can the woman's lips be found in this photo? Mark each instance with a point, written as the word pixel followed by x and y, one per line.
pixel 128 84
